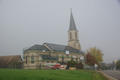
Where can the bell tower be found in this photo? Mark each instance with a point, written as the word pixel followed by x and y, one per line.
pixel 73 40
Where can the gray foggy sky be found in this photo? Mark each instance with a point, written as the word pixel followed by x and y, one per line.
pixel 24 23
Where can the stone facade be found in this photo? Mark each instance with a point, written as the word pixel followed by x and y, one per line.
pixel 33 59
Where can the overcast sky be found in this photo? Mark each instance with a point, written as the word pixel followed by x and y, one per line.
pixel 24 23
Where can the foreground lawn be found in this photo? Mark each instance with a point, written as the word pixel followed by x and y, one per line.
pixel 13 74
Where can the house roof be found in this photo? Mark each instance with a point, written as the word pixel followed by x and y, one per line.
pixel 5 60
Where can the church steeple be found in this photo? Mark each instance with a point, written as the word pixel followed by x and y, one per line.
pixel 73 40
pixel 72 25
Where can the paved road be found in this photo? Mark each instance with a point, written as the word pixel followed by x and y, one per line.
pixel 113 73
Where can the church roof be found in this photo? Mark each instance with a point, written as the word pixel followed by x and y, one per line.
pixel 53 47
pixel 38 47
pixel 58 47
pixel 72 25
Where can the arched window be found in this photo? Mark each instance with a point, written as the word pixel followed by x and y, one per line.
pixel 26 59
pixel 76 35
pixel 47 61
pixel 32 59
pixel 70 35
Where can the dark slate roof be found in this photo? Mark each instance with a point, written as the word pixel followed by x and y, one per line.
pixel 53 47
pixel 73 49
pixel 58 47
pixel 72 25
pixel 38 47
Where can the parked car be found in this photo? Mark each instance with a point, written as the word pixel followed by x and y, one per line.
pixel 56 66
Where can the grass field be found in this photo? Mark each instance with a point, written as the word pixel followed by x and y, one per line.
pixel 13 74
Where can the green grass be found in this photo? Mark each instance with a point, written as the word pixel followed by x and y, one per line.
pixel 14 74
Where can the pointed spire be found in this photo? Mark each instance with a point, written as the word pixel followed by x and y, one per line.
pixel 72 25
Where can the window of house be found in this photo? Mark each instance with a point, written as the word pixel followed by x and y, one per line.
pixel 76 35
pixel 52 61
pixel 32 59
pixel 70 35
pixel 76 59
pixel 47 61
pixel 40 58
pixel 62 59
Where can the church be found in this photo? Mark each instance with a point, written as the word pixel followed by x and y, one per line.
pixel 37 56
